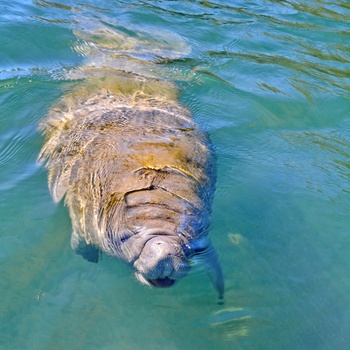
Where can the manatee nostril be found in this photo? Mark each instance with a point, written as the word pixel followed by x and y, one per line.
pixel 162 282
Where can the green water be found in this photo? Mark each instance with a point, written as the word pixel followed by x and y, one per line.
pixel 270 82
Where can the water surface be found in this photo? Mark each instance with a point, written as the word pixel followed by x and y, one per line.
pixel 270 82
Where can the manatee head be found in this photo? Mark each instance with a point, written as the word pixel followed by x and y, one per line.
pixel 161 262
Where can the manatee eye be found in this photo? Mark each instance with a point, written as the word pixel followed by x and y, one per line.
pixel 116 239
pixel 191 250
pixel 125 236
pixel 199 250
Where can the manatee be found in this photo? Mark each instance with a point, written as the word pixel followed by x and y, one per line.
pixel 135 171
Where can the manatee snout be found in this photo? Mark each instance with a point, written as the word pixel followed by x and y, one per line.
pixel 161 262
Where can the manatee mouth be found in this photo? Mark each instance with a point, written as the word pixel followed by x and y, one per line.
pixel 162 282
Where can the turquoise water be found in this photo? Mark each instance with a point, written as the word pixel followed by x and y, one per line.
pixel 270 82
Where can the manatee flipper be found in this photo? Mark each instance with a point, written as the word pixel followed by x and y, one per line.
pixel 214 271
pixel 88 251
pixel 206 255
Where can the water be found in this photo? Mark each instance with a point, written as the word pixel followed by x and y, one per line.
pixel 270 82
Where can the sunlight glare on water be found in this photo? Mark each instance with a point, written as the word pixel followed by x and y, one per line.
pixel 270 82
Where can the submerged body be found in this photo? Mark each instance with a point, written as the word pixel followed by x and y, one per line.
pixel 137 174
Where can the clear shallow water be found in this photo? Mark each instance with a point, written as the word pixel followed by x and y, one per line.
pixel 270 82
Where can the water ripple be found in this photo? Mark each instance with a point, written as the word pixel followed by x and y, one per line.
pixel 52 4
pixel 283 40
pixel 270 81
pixel 10 148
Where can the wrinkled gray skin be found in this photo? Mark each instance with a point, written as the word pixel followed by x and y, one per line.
pixel 137 174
